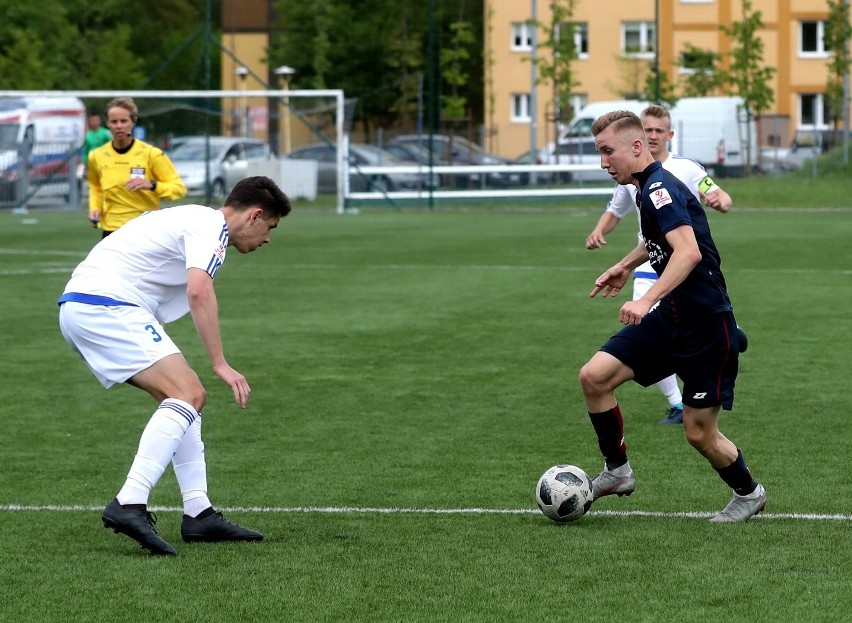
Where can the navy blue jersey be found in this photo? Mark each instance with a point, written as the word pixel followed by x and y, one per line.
pixel 665 203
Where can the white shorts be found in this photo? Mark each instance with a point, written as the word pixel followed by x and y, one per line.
pixel 116 342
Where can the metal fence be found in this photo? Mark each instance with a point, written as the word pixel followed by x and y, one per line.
pixel 40 173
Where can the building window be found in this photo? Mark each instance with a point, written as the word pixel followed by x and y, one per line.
pixel 696 61
pixel 521 107
pixel 812 111
pixel 581 36
pixel 522 34
pixel 638 39
pixel 812 39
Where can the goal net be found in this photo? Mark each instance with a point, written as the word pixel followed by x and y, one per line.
pixel 215 138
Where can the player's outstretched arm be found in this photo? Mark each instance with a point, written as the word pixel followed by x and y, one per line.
pixel 606 223
pixel 205 314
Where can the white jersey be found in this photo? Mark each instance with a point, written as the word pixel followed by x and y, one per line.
pixel 145 262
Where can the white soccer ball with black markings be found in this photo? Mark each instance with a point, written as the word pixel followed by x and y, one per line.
pixel 564 493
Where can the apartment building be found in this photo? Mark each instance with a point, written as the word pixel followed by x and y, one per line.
pixel 619 42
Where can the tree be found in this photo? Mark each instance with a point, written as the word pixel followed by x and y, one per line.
pixel 838 31
pixel 703 78
pixel 453 68
pixel 745 76
pixel 557 69
pixel 374 49
pixel 662 84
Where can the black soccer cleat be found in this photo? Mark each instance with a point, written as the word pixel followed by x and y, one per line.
pixel 211 527
pixel 135 521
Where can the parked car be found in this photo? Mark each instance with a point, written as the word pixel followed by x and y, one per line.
pixel 415 153
pixel 457 150
pixel 360 154
pixel 229 160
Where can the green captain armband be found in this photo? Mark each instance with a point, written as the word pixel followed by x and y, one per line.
pixel 706 184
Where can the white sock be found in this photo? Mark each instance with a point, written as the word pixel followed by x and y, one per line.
pixel 191 471
pixel 670 390
pixel 160 439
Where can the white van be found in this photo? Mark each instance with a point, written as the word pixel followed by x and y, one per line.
pixel 714 132
pixel 577 145
pixel 50 130
pixel 710 130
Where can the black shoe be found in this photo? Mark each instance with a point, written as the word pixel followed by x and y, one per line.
pixel 743 339
pixel 673 416
pixel 135 521
pixel 211 527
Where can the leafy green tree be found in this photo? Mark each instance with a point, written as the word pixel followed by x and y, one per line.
pixel 374 50
pixel 703 77
pixel 556 68
pixel 660 88
pixel 454 70
pixel 746 76
pixel 838 31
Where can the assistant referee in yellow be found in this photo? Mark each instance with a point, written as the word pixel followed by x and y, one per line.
pixel 127 176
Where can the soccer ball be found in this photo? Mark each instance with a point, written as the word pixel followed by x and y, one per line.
pixel 564 493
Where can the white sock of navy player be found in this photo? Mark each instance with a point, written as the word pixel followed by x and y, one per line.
pixel 671 391
pixel 158 444
pixel 191 471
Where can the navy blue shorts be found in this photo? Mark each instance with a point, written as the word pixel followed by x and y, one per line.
pixel 702 349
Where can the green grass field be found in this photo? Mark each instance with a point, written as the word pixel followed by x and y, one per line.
pixel 413 374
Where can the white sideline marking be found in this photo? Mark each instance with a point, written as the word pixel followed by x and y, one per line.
pixel 339 510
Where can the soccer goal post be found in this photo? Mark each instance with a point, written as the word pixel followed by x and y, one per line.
pixel 280 118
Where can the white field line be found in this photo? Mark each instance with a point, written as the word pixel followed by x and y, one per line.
pixel 343 510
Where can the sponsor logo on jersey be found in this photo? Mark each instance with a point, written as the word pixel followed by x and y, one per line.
pixel 655 185
pixel 660 198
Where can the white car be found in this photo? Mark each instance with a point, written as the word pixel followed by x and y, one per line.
pixel 229 160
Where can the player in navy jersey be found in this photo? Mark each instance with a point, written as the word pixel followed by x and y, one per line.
pixel 152 271
pixel 691 333
pixel 657 123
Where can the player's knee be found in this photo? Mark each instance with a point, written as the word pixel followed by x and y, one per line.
pixel 591 380
pixel 699 437
pixel 195 395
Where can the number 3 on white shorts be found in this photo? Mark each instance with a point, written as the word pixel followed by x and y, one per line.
pixel 153 331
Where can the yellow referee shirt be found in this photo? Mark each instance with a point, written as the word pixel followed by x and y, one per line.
pixel 109 170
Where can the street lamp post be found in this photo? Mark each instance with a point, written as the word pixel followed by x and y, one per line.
pixel 243 73
pixel 284 74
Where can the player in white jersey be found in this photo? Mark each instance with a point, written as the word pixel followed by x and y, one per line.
pixel 151 271
pixel 657 122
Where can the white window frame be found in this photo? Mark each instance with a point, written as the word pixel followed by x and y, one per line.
pixel 820 52
pixel 581 35
pixel 520 111
pixel 646 41
pixel 523 32
pixel 820 122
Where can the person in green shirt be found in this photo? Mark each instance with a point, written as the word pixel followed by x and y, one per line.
pixel 96 135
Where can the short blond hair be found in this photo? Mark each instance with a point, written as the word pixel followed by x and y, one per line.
pixel 658 112
pixel 621 119
pixel 127 104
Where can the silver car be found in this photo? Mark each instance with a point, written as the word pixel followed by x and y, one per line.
pixel 360 154
pixel 229 160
